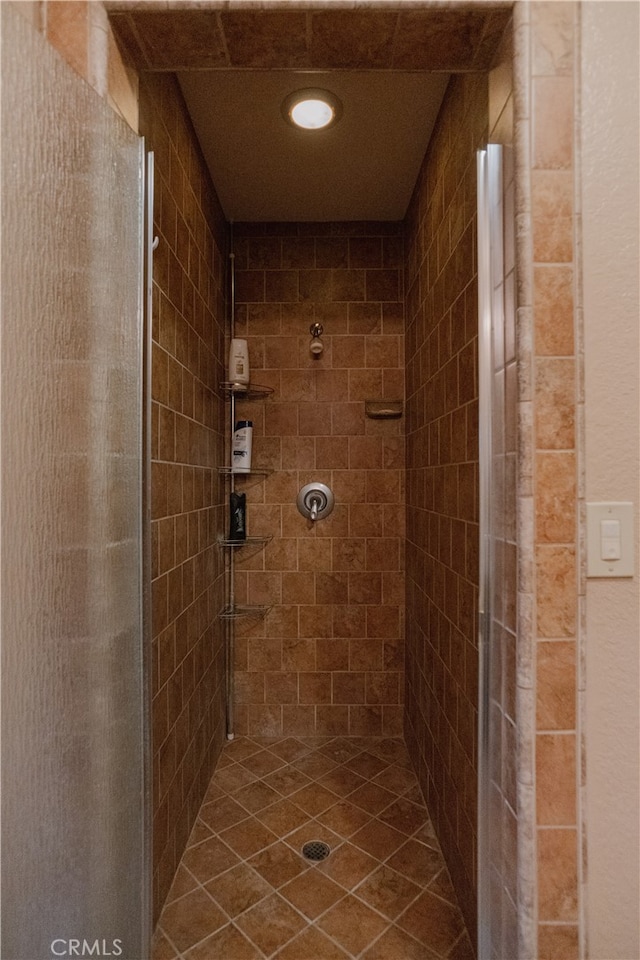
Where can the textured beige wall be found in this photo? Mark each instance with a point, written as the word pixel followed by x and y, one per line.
pixel 610 177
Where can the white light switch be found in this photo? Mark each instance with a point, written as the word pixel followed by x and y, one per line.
pixel 610 540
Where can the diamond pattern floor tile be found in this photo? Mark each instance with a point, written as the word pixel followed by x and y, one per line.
pixel 226 944
pixel 312 893
pixel 312 944
pixel 271 924
pixel 238 889
pixel 244 890
pixel 352 924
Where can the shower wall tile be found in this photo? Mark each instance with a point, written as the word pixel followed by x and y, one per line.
pixel 550 586
pixel 328 657
pixel 187 444
pixel 442 477
pixel 556 336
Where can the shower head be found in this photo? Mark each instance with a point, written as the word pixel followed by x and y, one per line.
pixel 316 346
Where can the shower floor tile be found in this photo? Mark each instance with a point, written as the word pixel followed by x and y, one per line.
pixel 244 889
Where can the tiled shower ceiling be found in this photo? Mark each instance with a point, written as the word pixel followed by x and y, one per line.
pixel 389 64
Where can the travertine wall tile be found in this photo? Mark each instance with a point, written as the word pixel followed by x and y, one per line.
pixel 555 438
pixel 335 636
pixel 187 443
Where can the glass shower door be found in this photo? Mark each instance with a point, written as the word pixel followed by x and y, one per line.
pixel 74 835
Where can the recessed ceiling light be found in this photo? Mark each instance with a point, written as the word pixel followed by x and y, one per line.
pixel 312 109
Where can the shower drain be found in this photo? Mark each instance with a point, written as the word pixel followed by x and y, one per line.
pixel 316 850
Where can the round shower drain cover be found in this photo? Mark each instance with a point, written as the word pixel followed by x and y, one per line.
pixel 316 850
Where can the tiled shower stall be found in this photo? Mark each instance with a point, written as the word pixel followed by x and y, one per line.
pixel 328 659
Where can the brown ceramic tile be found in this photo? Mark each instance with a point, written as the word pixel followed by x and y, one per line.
pixel 417 861
pixel 556 686
pixel 183 882
pixel 191 919
pixel 344 818
pixel 233 778
pixel 348 687
pixel 314 945
pixel 208 859
pixel 553 298
pixel 556 498
pixel 552 199
pixel 404 816
pixel 228 943
pixel 287 780
pixel 433 922
pixel 388 892
pixel 371 798
pixel 395 943
pixel 289 749
pixel 314 765
pixel 255 797
pixel 312 830
pixel 238 889
pixel 278 864
pixel 442 887
pixel 463 950
pixel 559 942
pixel 555 414
pixel 331 654
pixel 340 749
pixel 556 572
pixel 352 924
pixel 427 834
pixel 222 813
pixel 248 837
pixel 161 949
pixel 348 865
pixel 271 923
pixel 396 779
pixel 282 817
pixel 556 779
pixel 557 874
pixel 378 839
pixel 312 893
pixel 313 799
pixel 552 123
pixel 342 781
pixel 200 831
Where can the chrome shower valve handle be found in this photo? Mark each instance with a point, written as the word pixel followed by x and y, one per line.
pixel 315 501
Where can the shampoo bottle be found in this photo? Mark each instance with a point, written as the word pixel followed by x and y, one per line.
pixel 241 447
pixel 238 373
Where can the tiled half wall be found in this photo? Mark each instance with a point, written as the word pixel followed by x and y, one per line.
pixel 328 657
pixel 442 477
pixel 187 442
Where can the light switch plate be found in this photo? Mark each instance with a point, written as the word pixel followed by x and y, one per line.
pixel 596 566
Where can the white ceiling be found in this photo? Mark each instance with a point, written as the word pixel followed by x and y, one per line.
pixel 364 168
